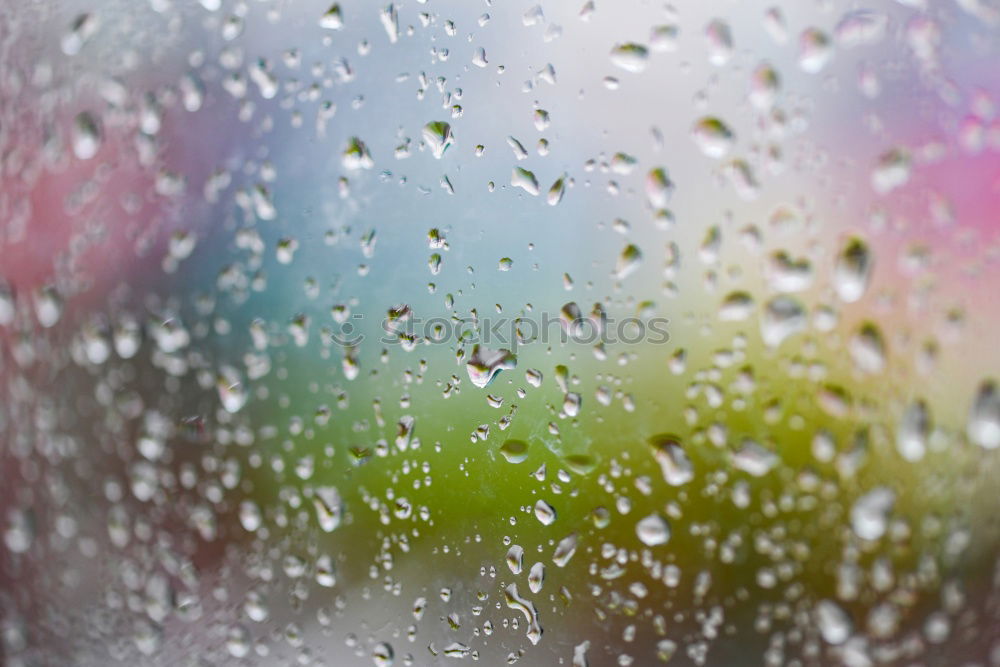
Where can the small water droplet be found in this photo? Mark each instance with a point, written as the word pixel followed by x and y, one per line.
pixel 892 170
pixel 86 136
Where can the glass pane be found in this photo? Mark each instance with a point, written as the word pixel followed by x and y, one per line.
pixel 574 333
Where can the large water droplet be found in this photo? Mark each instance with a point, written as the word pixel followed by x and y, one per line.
pixel 630 56
pixel 484 364
pixel 356 155
pixel 713 137
pixel 815 50
pixel 544 512
pixel 438 136
pixel 524 179
pixel 870 513
pixel 653 530
pixel 867 349
pixel 783 317
pixel 659 187
pixel 833 623
pixel 674 463
pixel 628 261
pixel 526 607
pixel 515 451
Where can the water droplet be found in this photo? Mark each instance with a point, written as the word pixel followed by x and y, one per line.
pixel 892 170
pixel 664 38
pixel 580 464
pixel 983 426
pixel 720 42
pixel 783 317
pixel 833 622
pixel 238 641
pixel 786 274
pixel 853 270
pixel 870 513
pixel 515 451
pixel 653 530
pixel 911 434
pixel 438 136
pixel 526 607
pixel 86 136
pixel 356 155
pixel 556 191
pixel 479 58
pixel 48 306
pixel 764 86
pixel 329 508
pixel 390 21
pixel 19 532
pixel 524 179
pixel 628 261
pixel 515 559
pixel 565 550
pixel 250 515
pixel 382 655
pixel 743 179
pixel 630 56
pixel 867 349
pixel 659 187
pixel 859 27
pixel 674 463
pixel 713 137
pixel 536 577
pixel 484 364
pixel 456 649
pixel 80 31
pixel 736 307
pixel 774 23
pixel 815 50
pixel 404 432
pixel 332 19
pixel 232 394
pixel 753 459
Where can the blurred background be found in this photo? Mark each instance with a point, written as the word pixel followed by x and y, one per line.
pixel 277 387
